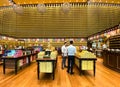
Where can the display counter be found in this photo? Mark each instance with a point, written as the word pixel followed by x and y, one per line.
pixel 85 64
pixel 46 63
pixel 17 62
pixel 111 59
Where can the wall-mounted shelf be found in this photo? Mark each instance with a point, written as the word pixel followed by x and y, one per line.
pixel 114 42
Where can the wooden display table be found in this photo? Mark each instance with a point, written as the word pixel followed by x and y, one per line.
pixel 46 65
pixel 13 62
pixel 86 64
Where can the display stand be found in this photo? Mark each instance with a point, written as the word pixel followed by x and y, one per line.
pixel 86 64
pixel 46 60
pixel 17 62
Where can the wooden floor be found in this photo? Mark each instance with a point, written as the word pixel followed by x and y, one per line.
pixel 27 77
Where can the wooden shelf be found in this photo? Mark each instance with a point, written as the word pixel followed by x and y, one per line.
pixel 114 42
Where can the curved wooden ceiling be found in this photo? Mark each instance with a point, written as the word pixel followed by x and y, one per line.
pixel 6 2
pixel 81 21
pixel 85 19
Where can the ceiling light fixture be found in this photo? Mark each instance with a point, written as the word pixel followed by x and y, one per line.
pixel 66 7
pixel 88 2
pixel 41 8
pixel 18 9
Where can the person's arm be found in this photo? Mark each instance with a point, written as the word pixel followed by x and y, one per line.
pixel 75 51
pixel 62 50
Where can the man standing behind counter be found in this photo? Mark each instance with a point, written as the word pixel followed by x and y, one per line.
pixel 71 57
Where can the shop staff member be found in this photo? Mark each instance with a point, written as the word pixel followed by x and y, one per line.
pixel 71 57
pixel 64 54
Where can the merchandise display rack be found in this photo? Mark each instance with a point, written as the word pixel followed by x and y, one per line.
pixel 17 62
pixel 114 42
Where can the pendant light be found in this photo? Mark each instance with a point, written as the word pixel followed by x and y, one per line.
pixel 41 8
pixel 18 9
pixel 66 7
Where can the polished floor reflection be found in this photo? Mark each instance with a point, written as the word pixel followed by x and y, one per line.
pixel 27 77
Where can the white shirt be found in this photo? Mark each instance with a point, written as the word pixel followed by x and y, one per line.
pixel 64 50
pixel 71 50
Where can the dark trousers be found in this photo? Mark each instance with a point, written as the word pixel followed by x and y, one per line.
pixel 64 61
pixel 71 60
